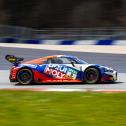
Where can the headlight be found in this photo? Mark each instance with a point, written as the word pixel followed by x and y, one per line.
pixel 107 69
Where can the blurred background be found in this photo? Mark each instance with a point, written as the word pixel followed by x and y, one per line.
pixel 63 19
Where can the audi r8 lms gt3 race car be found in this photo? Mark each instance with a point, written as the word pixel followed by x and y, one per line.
pixel 58 68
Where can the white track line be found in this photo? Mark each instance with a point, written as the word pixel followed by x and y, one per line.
pixel 77 48
pixel 63 90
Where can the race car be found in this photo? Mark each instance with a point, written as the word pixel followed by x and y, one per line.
pixel 58 68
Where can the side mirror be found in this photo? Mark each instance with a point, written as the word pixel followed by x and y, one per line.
pixel 73 64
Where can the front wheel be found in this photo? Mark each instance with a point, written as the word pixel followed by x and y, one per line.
pixel 92 75
pixel 25 76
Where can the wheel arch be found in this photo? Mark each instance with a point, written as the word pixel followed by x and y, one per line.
pixel 95 68
pixel 25 67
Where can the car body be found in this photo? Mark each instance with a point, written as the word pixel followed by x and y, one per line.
pixel 58 68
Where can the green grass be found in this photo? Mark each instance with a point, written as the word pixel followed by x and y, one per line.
pixel 26 108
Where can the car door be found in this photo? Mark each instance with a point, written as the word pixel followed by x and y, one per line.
pixel 74 69
pixel 63 69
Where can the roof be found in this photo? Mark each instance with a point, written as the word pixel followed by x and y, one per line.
pixel 41 59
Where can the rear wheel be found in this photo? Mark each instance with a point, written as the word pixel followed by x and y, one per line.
pixel 25 76
pixel 92 75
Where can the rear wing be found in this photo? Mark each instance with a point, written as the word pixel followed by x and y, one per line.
pixel 13 59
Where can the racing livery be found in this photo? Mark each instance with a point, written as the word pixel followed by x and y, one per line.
pixel 58 68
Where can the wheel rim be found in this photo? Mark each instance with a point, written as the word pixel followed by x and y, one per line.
pixel 92 76
pixel 24 77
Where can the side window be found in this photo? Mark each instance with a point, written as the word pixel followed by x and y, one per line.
pixel 48 61
pixel 55 61
pixel 59 60
pixel 65 60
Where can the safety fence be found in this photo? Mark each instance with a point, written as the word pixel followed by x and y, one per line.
pixel 63 36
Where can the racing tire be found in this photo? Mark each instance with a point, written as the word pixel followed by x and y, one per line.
pixel 92 75
pixel 25 76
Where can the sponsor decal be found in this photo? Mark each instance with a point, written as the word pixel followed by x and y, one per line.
pixel 60 71
pixel 72 73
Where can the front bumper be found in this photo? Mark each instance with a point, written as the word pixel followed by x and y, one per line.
pixel 109 76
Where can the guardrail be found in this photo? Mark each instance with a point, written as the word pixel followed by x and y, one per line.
pixel 81 33
pixel 63 36
pixel 118 33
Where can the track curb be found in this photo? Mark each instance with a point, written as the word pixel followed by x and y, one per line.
pixel 63 90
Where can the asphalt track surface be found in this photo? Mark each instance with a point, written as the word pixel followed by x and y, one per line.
pixel 116 61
